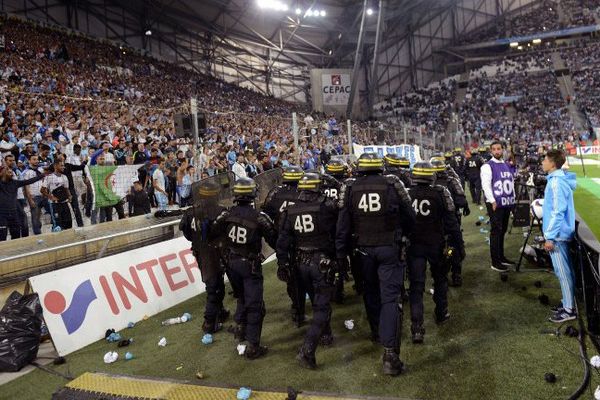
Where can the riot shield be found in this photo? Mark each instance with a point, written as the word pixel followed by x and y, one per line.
pixel 265 182
pixel 223 183
pixel 210 197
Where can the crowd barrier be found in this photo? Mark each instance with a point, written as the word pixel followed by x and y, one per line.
pixel 586 252
pixel 33 255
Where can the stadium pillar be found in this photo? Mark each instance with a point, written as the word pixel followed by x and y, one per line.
pixel 194 112
pixel 350 147
pixel 296 144
pixel 373 84
pixel 357 57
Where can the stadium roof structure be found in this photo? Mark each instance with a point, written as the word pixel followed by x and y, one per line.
pixel 250 43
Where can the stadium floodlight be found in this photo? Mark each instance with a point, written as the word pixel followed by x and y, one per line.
pixel 536 41
pixel 148 32
pixel 514 44
pixel 369 11
pixel 308 13
pixel 298 11
pixel 520 48
pixel 272 5
pixel 323 13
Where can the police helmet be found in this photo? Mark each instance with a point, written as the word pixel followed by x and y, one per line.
pixel 394 160
pixel 336 167
pixel 423 172
pixel 447 155
pixel 457 150
pixel 208 190
pixel 368 162
pixel 310 181
pixel 244 189
pixel 438 164
pixel 292 173
pixel 474 151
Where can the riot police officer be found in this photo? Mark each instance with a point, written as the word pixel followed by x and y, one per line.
pixel 195 225
pixel 335 173
pixel 458 164
pixel 486 154
pixel 241 230
pixel 447 157
pixel 435 219
pixel 309 227
pixel 444 178
pixel 278 199
pixel 375 212
pixel 474 164
pixel 398 166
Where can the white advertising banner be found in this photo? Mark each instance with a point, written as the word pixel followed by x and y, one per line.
pixel 588 150
pixel 335 89
pixel 411 152
pixel 81 302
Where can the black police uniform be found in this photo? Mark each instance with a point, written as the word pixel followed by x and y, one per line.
pixel 195 225
pixel 436 218
pixel 473 169
pixel 309 227
pixel 331 186
pixel 403 174
pixel 460 202
pixel 486 155
pixel 241 231
pixel 458 164
pixel 374 213
pixel 278 199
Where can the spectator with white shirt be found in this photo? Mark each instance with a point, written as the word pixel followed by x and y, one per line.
pixel 56 189
pixel 37 201
pixel 239 168
pixel 158 182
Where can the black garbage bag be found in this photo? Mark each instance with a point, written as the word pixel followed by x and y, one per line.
pixel 20 331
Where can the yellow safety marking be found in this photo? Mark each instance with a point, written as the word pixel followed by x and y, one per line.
pixel 165 390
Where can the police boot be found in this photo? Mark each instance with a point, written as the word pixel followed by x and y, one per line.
pixel 224 315
pixel 441 317
pixel 418 334
pixel 326 339
pixel 374 337
pixel 254 351
pixel 239 332
pixel 339 296
pixel 298 319
pixel 391 362
pixel 306 356
pixel 457 280
pixel 211 326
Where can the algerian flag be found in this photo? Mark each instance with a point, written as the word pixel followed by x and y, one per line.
pixel 111 183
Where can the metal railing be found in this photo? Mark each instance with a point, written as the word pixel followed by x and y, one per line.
pixel 16 268
pixel 88 241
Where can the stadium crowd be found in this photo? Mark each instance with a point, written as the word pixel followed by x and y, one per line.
pixel 542 18
pixel 83 101
pixel 93 102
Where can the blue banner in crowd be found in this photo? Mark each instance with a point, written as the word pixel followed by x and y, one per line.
pixel 411 152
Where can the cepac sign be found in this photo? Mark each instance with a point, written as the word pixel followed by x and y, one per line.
pixel 335 89
pixel 81 302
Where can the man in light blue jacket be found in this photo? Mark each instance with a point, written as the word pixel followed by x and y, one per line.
pixel 559 228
